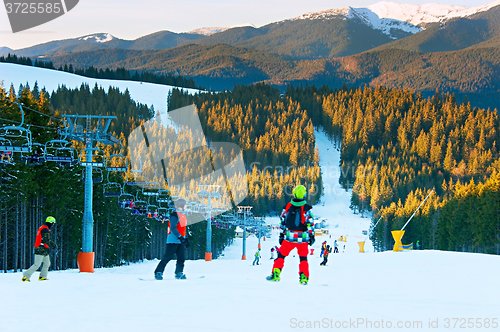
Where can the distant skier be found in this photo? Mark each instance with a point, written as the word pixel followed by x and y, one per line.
pixel 177 242
pixel 323 248
pixel 257 257
pixel 43 243
pixel 272 253
pixel 335 247
pixel 327 252
pixel 296 232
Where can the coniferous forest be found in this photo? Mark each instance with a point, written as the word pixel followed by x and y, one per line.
pixel 396 146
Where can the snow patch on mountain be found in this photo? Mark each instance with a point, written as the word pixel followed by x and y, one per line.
pixel 418 14
pixel 208 31
pixel 386 15
pixel 98 38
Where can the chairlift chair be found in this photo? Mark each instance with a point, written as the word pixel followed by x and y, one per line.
pixel 60 151
pixel 36 156
pixel 117 163
pixel 97 159
pixel 15 139
pixel 135 178
pixel 163 196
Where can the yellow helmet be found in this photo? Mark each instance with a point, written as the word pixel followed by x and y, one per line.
pixel 51 220
pixel 299 192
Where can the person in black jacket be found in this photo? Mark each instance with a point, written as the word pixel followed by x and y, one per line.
pixel 177 242
pixel 43 243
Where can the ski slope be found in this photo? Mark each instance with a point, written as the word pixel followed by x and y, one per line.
pixel 409 287
pixel 416 290
pixel 146 93
pixel 411 291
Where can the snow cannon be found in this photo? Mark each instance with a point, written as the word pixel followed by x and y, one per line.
pixel 361 246
pixel 397 235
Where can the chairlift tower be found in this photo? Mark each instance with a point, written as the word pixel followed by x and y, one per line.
pixel 89 136
pixel 209 192
pixel 246 213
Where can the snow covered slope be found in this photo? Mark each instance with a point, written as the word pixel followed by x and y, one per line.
pixel 356 291
pixel 145 93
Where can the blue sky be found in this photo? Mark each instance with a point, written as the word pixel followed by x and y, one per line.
pixel 130 19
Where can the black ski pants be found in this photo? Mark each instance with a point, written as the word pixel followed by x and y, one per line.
pixel 172 248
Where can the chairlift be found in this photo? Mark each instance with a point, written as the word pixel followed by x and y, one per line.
pixel 151 189
pixel 36 156
pixel 135 178
pixel 97 159
pixel 111 189
pixel 60 151
pixel 15 138
pixel 117 162
pixel 97 176
pixel 163 196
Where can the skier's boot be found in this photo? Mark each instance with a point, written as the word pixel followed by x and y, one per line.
pixel 158 275
pixel 42 278
pixel 275 276
pixel 303 278
pixel 25 279
pixel 180 275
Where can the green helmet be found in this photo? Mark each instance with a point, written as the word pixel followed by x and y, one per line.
pixel 299 192
pixel 51 220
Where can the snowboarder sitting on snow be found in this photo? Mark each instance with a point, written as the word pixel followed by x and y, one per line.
pixel 328 251
pixel 257 257
pixel 176 242
pixel 296 232
pixel 43 243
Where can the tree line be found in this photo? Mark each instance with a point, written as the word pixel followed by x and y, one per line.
pixel 31 192
pixel 398 145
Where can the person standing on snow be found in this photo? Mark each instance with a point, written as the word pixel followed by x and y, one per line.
pixel 257 257
pixel 272 253
pixel 335 247
pixel 177 242
pixel 43 243
pixel 296 232
pixel 327 252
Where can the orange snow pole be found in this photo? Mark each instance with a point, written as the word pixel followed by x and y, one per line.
pixel 208 256
pixel 243 257
pixel 397 235
pixel 85 262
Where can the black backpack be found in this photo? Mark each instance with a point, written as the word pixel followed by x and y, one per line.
pixel 294 218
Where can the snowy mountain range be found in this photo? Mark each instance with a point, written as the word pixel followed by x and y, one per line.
pixel 411 18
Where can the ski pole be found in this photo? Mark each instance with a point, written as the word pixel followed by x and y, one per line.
pixel 417 209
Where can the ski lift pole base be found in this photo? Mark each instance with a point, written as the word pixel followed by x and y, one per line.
pixel 361 246
pixel 397 235
pixel 85 262
pixel 208 256
pixel 243 257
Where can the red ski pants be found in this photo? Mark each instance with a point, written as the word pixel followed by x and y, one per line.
pixel 284 251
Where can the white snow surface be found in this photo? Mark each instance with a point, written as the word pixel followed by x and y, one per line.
pixel 208 31
pixel 415 290
pixel 386 15
pixel 145 93
pixel 99 38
